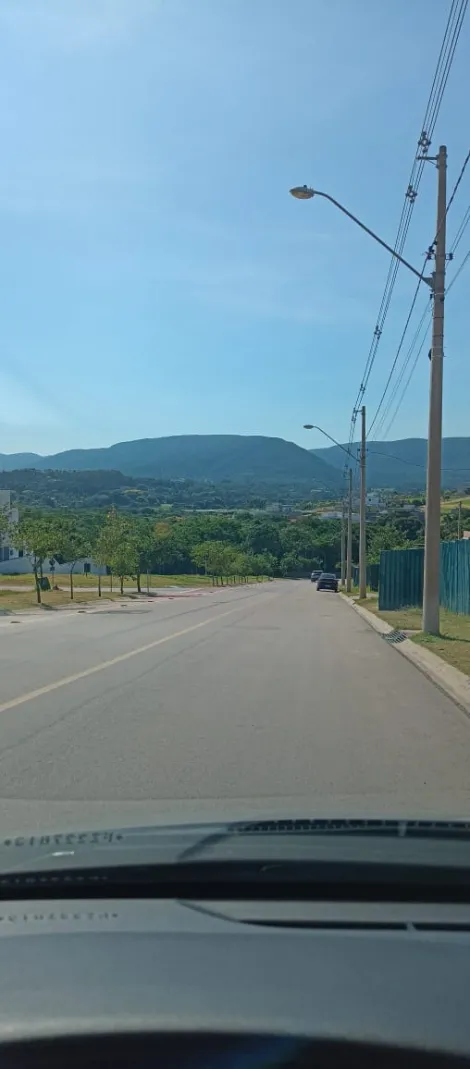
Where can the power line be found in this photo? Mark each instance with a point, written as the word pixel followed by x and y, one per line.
pixel 394 364
pixel 460 232
pixel 462 265
pixel 414 463
pixel 425 320
pixel 444 63
pixel 459 179
pixel 406 362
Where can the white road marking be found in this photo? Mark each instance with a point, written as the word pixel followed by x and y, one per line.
pixel 66 680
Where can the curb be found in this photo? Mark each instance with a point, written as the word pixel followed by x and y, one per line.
pixel 450 680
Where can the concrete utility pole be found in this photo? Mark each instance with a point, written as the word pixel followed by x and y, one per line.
pixel 349 549
pixel 362 512
pixel 343 543
pixel 432 536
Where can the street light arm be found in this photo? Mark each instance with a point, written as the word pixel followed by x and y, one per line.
pixel 315 427
pixel 305 193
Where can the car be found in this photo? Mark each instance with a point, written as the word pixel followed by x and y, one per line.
pixel 327 581
pixel 315 575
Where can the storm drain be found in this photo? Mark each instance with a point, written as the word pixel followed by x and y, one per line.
pixel 394 637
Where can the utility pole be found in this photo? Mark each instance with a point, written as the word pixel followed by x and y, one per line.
pixel 432 535
pixel 343 543
pixel 349 549
pixel 362 511
pixel 459 522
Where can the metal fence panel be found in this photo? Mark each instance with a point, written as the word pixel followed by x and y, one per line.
pixel 455 576
pixel 400 578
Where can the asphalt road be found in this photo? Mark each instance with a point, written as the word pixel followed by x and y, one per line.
pixel 257 697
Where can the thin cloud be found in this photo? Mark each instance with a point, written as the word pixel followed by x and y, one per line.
pixel 73 23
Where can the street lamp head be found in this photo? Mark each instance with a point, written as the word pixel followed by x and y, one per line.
pixel 309 426
pixel 302 192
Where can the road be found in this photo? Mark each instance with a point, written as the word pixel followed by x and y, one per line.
pixel 271 695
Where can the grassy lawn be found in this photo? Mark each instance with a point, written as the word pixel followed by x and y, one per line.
pixel 453 644
pixel 85 591
pixel 453 504
pixel 12 600
pixel 82 582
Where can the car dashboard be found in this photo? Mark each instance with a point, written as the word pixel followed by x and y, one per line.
pixel 228 984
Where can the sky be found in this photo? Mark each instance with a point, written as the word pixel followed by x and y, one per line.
pixel 156 277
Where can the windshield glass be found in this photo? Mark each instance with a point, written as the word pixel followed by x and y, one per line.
pixel 234 581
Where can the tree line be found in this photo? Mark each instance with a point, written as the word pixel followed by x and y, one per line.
pixel 222 545
pixel 100 490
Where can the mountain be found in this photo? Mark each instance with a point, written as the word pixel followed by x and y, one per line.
pixel 402 464
pixel 212 457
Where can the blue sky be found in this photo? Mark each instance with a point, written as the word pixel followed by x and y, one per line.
pixel 155 276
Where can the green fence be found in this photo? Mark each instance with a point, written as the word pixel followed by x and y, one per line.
pixel 401 577
pixel 455 575
pixel 372 576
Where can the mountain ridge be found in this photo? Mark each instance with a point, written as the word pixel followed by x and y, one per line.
pixel 240 458
pixel 401 464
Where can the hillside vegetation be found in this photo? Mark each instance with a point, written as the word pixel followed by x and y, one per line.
pixel 401 465
pixel 104 489
pixel 213 457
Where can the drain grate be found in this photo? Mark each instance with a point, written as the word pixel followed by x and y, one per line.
pixel 394 637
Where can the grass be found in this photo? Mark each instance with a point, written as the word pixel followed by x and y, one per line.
pixel 453 503
pixel 83 581
pixel 15 600
pixel 453 644
pixel 86 591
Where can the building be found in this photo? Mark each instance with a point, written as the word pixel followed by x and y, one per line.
pixel 373 499
pixel 14 562
pixel 7 551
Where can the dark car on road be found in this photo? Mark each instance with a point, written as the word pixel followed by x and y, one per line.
pixel 327 581
pixel 315 576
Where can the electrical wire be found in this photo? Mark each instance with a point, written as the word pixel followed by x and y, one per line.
pixel 408 357
pixel 424 321
pixel 394 364
pixel 444 63
pixel 457 273
pixel 460 232
pixel 459 179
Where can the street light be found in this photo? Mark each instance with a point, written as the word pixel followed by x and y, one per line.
pixel 306 193
pixel 315 427
pixel 432 534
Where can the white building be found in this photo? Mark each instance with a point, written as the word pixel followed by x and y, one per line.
pixel 14 561
pixel 373 499
pixel 7 552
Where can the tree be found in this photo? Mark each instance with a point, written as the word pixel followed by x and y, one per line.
pixel 116 546
pixel 216 557
pixel 73 542
pixel 384 537
pixel 37 536
pixel 4 523
pixel 143 535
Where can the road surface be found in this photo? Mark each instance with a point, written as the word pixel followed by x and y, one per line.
pixel 260 696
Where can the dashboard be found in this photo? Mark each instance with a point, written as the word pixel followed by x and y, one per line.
pixel 233 984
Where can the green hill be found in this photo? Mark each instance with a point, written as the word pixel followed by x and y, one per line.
pixel 402 464
pixel 238 458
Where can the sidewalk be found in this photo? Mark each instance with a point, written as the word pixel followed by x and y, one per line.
pixel 450 680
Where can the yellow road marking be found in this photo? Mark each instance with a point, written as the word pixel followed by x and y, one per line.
pixel 64 682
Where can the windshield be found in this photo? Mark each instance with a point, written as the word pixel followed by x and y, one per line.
pixel 227 235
